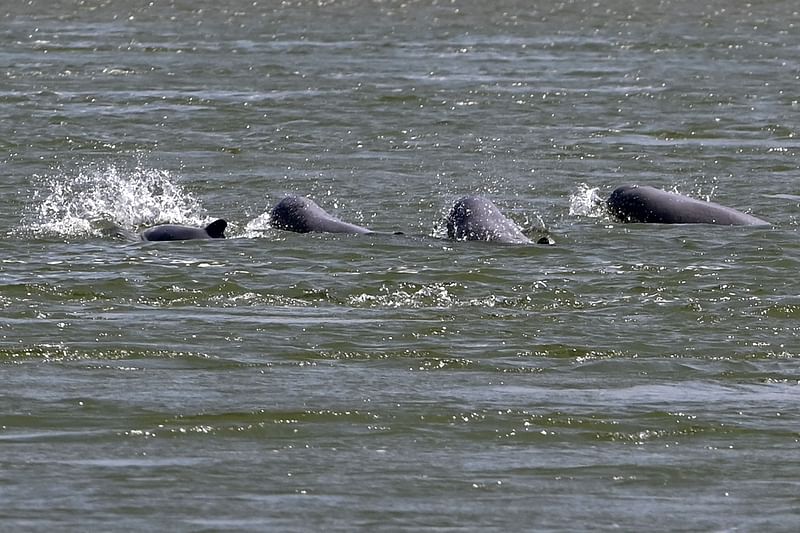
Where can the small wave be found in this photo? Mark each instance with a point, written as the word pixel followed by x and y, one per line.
pixel 409 295
pixel 86 202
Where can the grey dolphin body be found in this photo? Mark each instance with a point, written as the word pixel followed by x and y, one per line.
pixel 474 218
pixel 173 232
pixel 303 215
pixel 635 203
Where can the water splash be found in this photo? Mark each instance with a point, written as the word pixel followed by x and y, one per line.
pixel 259 224
pixel 92 198
pixel 586 201
pixel 533 225
pixel 701 192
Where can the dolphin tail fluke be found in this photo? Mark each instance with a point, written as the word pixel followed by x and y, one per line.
pixel 216 230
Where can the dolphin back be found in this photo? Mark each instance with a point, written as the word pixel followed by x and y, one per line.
pixel 303 215
pixel 635 203
pixel 474 218
pixel 175 232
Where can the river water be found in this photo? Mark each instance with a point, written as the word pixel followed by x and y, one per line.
pixel 631 376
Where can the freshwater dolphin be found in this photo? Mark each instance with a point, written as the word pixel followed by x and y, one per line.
pixel 475 218
pixel 303 215
pixel 642 203
pixel 174 232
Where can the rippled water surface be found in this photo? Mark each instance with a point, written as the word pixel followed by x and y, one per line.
pixel 631 376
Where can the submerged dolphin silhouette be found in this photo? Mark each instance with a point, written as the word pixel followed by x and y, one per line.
pixel 642 203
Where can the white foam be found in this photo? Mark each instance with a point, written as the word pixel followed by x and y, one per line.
pixel 82 202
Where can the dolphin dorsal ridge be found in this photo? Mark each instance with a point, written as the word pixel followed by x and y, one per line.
pixel 216 230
